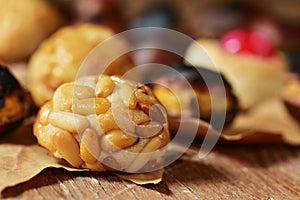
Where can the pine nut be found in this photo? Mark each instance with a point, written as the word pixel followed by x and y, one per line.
pixel 44 112
pixel 44 135
pixel 94 124
pixel 149 130
pixel 143 158
pixel 152 145
pixel 89 81
pixel 123 159
pixel 126 93
pixel 144 98
pixel 82 92
pixel 138 116
pixel 164 137
pixel 116 139
pixel 89 146
pixel 73 123
pixel 62 97
pixel 67 147
pixel 106 121
pixel 104 87
pixel 90 106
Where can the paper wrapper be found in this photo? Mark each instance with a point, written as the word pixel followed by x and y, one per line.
pixel 146 178
pixel 266 123
pixel 21 158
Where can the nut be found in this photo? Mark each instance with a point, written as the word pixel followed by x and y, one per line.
pixel 89 81
pixel 90 106
pixel 149 130
pixel 44 135
pixel 143 158
pixel 62 98
pixel 45 111
pixel 104 87
pixel 89 146
pixel 126 93
pixel 144 98
pixel 106 121
pixel 67 147
pixel 73 123
pixel 138 116
pixel 122 159
pixel 116 139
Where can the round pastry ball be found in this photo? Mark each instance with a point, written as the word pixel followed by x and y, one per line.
pixel 104 123
pixel 253 78
pixel 59 57
pixel 23 24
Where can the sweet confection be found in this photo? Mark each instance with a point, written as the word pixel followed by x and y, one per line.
pixel 108 123
pixel 248 60
pixel 24 24
pixel 58 58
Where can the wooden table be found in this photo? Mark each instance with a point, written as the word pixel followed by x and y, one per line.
pixel 228 172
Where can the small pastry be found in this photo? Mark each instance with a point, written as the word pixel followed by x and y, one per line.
pixel 291 95
pixel 58 58
pixel 104 123
pixel 248 60
pixel 178 99
pixel 15 102
pixel 24 24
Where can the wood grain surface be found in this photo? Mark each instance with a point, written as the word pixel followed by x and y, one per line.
pixel 228 172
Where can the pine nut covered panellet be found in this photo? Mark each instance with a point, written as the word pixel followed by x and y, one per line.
pixel 104 123
pixel 58 58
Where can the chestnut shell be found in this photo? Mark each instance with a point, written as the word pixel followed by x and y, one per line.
pixel 291 96
pixel 200 86
pixel 9 86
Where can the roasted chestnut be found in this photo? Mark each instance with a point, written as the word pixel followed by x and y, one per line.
pixel 15 102
pixel 291 96
pixel 178 99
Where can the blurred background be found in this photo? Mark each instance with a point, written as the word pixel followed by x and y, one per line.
pixel 27 23
pixel 199 18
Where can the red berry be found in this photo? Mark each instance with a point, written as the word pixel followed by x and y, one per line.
pixel 248 41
